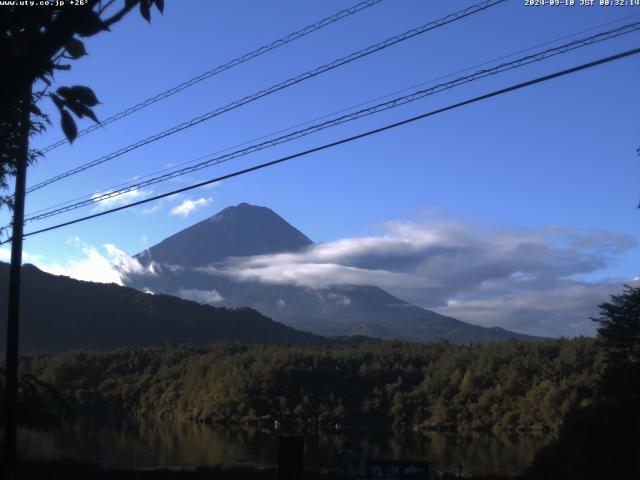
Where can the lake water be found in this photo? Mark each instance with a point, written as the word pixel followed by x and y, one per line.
pixel 155 443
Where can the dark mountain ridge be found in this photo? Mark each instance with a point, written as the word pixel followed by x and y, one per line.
pixel 60 313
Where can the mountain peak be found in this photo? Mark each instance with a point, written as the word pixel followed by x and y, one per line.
pixel 244 230
pixel 242 209
pixel 236 231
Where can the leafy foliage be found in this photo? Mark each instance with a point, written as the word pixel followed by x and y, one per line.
pixel 505 386
pixel 40 405
pixel 603 440
pixel 619 336
pixel 35 42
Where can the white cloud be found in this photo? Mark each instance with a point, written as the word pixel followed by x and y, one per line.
pixel 526 280
pixel 522 279
pixel 187 206
pixel 151 210
pixel 201 296
pixel 90 264
pixel 5 256
pixel 116 201
pixel 156 206
pixel 209 186
pixel 563 308
pixel 315 275
pixel 339 299
pixel 124 263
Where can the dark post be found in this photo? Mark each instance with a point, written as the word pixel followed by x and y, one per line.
pixel 13 318
pixel 290 458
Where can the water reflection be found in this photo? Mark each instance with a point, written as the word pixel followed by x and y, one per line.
pixel 155 443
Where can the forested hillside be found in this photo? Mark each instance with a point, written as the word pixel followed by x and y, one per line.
pixel 60 313
pixel 505 386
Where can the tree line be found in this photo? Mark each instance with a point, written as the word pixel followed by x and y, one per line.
pixel 587 389
pixel 512 386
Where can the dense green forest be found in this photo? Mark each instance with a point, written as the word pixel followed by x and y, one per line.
pixel 586 389
pixel 505 386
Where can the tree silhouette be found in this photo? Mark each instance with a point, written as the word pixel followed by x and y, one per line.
pixel 619 335
pixel 602 440
pixel 37 41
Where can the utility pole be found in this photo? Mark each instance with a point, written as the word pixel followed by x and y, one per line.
pixel 13 318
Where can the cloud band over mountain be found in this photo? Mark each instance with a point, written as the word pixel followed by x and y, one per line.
pixel 543 282
pixel 527 280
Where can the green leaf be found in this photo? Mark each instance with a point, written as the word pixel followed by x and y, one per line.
pixel 145 10
pixel 69 126
pixel 75 48
pixel 159 5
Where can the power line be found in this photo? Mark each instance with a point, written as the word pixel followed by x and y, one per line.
pixel 277 87
pixel 394 103
pixel 329 115
pixel 368 133
pixel 221 68
pixel 345 118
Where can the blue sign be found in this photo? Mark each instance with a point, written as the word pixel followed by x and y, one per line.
pixel 399 470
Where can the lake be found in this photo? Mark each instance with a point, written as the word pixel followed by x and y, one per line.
pixel 152 443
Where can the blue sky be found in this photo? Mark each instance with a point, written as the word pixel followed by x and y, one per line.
pixel 555 157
